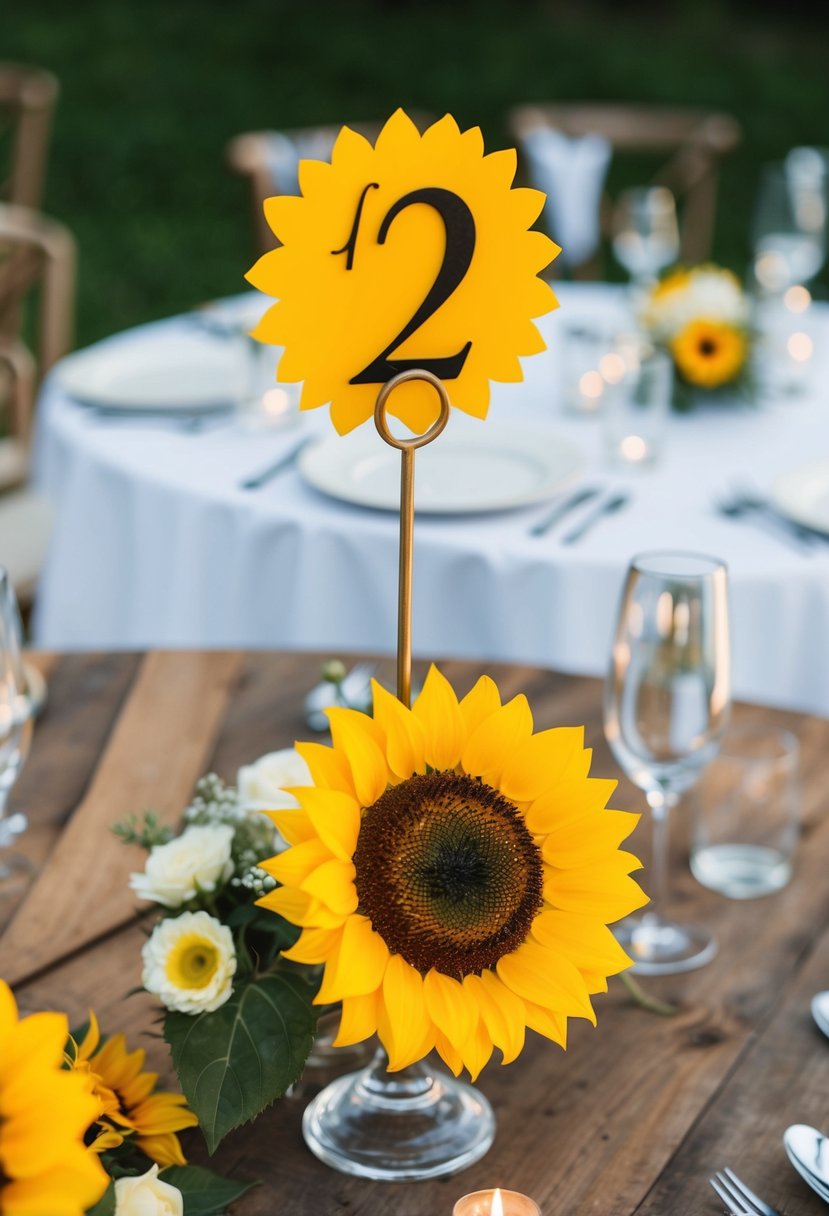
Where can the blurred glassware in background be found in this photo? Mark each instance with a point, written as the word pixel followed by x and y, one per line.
pixel 636 380
pixel 786 345
pixel 645 232
pixel 746 814
pixel 667 700
pixel 790 221
pixel 264 404
pixel 582 348
pixel 15 734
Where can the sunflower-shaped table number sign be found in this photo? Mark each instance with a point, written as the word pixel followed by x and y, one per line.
pixel 453 872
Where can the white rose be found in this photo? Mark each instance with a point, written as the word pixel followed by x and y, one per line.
pixel 199 859
pixel 189 962
pixel 262 785
pixel 147 1196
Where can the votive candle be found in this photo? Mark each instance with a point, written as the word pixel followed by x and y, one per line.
pixel 496 1202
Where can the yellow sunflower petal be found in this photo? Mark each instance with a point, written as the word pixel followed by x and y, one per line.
pixel 404 733
pixel 335 817
pixel 586 941
pixel 581 843
pixel 358 1020
pixel 358 964
pixel 333 885
pixel 300 909
pixel 490 745
pixel 67 1189
pixel 535 764
pixel 293 825
pixel 164 1149
pixel 480 702
pixel 543 1021
pixel 451 1007
pixel 313 946
pixel 477 1050
pixel 603 890
pixel 292 867
pixel 358 738
pixel 328 767
pixel 537 974
pixel 568 803
pixel 437 711
pixel 91 1039
pixel 502 1012
pixel 402 1023
pixel 449 1054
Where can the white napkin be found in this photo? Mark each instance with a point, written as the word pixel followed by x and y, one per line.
pixel 571 172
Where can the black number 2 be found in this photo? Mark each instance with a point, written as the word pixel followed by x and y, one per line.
pixel 459 226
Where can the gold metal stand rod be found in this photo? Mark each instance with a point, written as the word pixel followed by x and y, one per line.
pixel 407 449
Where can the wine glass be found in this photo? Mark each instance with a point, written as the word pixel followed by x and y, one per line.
pixel 790 222
pixel 15 734
pixel 667 701
pixel 645 232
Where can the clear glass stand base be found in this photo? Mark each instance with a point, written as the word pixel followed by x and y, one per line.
pixel 397 1127
pixel 659 947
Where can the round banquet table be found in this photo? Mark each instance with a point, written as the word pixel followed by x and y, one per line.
pixel 157 545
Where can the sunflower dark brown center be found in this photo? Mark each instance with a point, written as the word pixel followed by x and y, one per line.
pixel 708 347
pixel 447 873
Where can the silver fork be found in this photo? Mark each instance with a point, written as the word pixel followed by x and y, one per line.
pixel 739 1199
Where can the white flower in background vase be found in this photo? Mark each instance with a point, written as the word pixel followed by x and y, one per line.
pixel 197 860
pixel 147 1196
pixel 189 963
pixel 262 785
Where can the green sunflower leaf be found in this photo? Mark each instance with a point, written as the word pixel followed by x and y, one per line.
pixel 204 1193
pixel 236 1061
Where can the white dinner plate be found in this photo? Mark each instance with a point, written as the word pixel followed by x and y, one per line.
pixel 803 495
pixel 492 468
pixel 192 372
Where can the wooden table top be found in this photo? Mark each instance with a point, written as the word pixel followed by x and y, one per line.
pixel 634 1117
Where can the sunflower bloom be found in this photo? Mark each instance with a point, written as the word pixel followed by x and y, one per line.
pixel 128 1104
pixel 45 1169
pixel 455 874
pixel 709 353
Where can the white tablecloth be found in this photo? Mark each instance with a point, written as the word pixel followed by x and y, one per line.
pixel 156 545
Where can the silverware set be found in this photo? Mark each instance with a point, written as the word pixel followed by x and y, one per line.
pixel 746 504
pixel 607 505
pixel 806 1147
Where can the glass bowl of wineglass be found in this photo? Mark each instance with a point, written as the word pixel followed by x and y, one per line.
pixel 667 703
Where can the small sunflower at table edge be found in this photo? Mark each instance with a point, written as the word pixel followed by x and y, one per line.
pixel 455 874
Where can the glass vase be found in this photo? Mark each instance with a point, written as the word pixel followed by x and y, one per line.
pixel 398 1126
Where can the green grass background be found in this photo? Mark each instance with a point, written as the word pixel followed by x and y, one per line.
pixel 153 90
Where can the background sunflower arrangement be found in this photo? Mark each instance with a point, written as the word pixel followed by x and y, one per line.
pixel 701 316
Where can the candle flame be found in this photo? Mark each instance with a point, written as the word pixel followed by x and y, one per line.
pixel 497 1208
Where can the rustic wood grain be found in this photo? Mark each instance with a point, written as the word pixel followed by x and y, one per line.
pixel 637 1114
pixel 159 746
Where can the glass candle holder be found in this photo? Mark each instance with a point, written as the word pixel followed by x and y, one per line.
pixel 636 398
pixel 746 813
pixel 582 350
pixel 496 1202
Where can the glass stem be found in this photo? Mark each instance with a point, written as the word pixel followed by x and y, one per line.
pixel 660 803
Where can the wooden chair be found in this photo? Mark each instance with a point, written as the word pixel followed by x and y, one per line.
pixel 27 100
pixel 695 142
pixel 269 160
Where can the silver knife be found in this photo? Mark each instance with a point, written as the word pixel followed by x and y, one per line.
pixel 608 507
pixel 564 508
pixel 286 460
